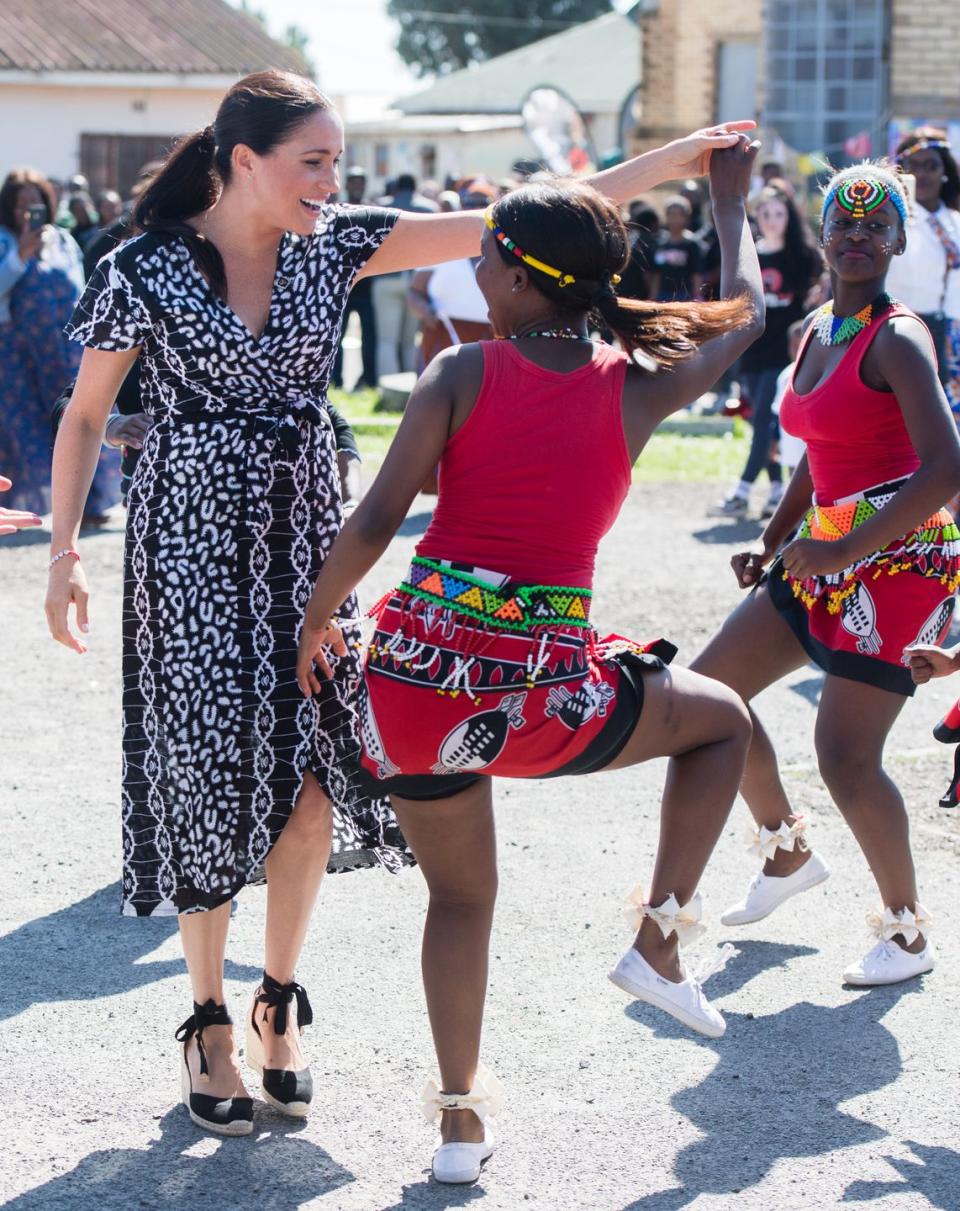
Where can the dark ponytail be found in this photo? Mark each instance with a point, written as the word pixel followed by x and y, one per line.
pixel 260 111
pixel 572 227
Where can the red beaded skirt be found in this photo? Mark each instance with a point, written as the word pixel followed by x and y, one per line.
pixel 470 675
pixel 856 623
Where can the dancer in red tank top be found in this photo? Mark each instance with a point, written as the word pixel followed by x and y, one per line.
pixel 871 571
pixel 484 660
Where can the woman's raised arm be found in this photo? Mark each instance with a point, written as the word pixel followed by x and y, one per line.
pixel 429 239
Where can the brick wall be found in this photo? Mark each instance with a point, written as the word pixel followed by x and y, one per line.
pixel 925 59
pixel 679 48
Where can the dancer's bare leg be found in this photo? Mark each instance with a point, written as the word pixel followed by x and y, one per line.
pixel 204 939
pixel 705 729
pixel 753 649
pixel 454 843
pixel 853 723
pixel 295 869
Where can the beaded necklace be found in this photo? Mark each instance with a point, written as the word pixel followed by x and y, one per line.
pixel 556 334
pixel 837 329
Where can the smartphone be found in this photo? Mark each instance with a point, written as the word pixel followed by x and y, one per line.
pixel 38 216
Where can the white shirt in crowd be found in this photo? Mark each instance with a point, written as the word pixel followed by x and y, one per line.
pixel 454 292
pixel 917 277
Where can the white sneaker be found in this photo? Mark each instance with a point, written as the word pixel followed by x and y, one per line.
pixel 730 506
pixel 459 1163
pixel 684 1001
pixel 888 963
pixel 767 892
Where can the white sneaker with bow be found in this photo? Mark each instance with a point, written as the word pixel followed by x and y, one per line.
pixel 685 1000
pixel 767 892
pixel 459 1162
pixel 886 962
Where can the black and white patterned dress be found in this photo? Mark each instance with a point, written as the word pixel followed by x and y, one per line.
pixel 234 505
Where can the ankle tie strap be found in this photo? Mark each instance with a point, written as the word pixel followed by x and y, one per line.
pixel 764 842
pixel 273 995
pixel 669 916
pixel 887 924
pixel 484 1099
pixel 209 1014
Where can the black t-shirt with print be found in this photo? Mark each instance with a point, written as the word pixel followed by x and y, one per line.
pixel 786 280
pixel 676 261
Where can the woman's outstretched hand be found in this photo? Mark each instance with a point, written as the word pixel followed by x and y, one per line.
pixel 690 157
pixel 311 655
pixel 731 170
pixel 12 520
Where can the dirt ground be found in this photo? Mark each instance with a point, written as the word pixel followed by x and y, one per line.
pixel 818 1096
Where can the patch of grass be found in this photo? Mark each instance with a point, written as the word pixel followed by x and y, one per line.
pixel 668 458
pixel 678 459
pixel 355 403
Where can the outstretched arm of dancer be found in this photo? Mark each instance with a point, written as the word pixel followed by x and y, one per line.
pixel 429 239
pixel 650 398
pixel 428 421
pixel 75 458
pixel 903 356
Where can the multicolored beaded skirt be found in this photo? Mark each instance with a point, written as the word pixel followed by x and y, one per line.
pixel 470 674
pixel 856 623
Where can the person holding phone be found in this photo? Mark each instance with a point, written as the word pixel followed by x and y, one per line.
pixel 41 278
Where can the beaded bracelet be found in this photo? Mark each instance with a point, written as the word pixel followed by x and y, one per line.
pixel 61 554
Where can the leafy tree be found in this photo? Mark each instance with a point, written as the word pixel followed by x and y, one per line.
pixel 442 35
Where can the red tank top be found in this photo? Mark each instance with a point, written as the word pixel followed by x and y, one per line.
pixel 855 435
pixel 537 473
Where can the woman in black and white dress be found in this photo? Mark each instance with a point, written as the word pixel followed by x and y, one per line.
pixel 233 299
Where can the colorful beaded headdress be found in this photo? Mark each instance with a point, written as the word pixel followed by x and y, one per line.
pixel 860 196
pixel 922 144
pixel 563 279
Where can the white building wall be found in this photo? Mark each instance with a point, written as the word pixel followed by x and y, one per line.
pixel 457 153
pixel 41 124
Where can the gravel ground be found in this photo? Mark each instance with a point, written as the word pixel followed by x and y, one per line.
pixel 818 1095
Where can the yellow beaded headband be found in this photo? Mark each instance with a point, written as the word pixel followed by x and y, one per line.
pixel 563 279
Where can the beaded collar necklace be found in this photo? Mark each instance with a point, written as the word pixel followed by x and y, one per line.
pixel 837 329
pixel 555 334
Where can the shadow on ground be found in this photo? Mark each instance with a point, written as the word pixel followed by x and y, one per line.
pixel 779 1082
pixel 85 952
pixel 271 1170
pixel 935 1175
pixel 810 688
pixel 741 530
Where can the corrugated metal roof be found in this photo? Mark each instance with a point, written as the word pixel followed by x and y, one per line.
pixel 596 64
pixel 183 36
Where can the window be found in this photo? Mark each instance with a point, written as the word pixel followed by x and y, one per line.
pixel 114 161
pixel 827 66
pixel 381 160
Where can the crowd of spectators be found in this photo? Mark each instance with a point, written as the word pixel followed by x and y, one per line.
pixel 53 234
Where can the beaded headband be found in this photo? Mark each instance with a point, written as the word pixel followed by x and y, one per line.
pixel 923 144
pixel 860 196
pixel 563 279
